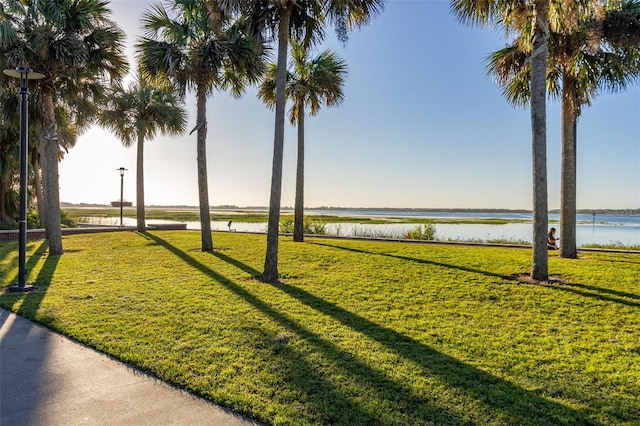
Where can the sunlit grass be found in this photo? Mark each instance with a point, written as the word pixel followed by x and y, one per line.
pixel 358 332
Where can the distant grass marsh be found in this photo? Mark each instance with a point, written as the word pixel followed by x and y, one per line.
pixel 252 216
pixel 358 332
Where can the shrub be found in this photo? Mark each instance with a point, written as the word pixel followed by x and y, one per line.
pixel 309 227
pixel 425 232
pixel 369 232
pixel 8 225
pixel 33 220
pixel 315 228
pixel 66 220
pixel 286 225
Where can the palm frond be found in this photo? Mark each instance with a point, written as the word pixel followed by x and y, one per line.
pixel 311 81
pixel 504 64
pixel 267 90
pixel 183 47
pixel 621 28
pixel 143 110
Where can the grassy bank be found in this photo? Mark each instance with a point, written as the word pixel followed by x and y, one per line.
pixel 358 332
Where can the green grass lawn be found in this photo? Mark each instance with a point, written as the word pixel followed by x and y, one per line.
pixel 358 333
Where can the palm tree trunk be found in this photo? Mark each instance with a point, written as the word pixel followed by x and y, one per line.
pixel 203 186
pixel 142 227
pixel 298 220
pixel 540 256
pixel 37 183
pixel 4 216
pixel 270 273
pixel 568 188
pixel 43 166
pixel 50 178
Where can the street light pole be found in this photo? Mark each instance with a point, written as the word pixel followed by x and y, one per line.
pixel 122 170
pixel 24 74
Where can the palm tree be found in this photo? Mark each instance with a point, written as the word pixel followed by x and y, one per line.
pixel 67 137
pixel 614 66
pixel 302 21
pixel 137 114
pixel 583 60
pixel 310 83
pixel 532 18
pixel 182 45
pixel 79 49
pixel 68 129
pixel 9 154
pixel 538 58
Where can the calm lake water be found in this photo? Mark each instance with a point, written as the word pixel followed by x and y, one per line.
pixel 603 230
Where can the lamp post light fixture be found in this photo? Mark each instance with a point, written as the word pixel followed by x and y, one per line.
pixel 122 170
pixel 24 74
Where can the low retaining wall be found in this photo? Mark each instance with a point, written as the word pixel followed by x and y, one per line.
pixel 14 234
pixel 38 234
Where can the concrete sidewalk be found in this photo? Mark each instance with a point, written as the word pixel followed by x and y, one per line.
pixel 47 379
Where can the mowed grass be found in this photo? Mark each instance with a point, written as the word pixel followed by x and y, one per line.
pixel 358 332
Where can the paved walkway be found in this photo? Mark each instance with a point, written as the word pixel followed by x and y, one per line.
pixel 47 379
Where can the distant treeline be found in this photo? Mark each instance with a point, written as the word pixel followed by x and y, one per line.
pixel 613 212
pixel 625 212
pixel 422 209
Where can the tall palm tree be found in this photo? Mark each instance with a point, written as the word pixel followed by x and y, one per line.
pixel 9 154
pixel 137 114
pixel 584 59
pixel 613 67
pixel 310 82
pixel 529 17
pixel 303 21
pixel 182 45
pixel 538 58
pixel 67 136
pixel 80 50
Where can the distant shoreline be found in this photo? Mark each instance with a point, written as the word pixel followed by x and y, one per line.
pixel 611 212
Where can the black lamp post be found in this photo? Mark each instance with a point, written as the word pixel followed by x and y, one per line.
pixel 122 170
pixel 24 74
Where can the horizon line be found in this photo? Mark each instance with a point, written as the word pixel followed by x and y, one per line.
pixel 418 209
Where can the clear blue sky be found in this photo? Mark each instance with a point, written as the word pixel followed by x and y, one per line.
pixel 422 125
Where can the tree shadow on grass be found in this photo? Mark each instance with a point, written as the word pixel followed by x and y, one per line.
pixel 515 404
pixel 422 261
pixel 518 405
pixel 605 290
pixel 32 260
pixel 6 248
pixel 586 290
pixel 30 301
pixel 599 293
pixel 630 258
pixel 246 268
pixel 332 404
